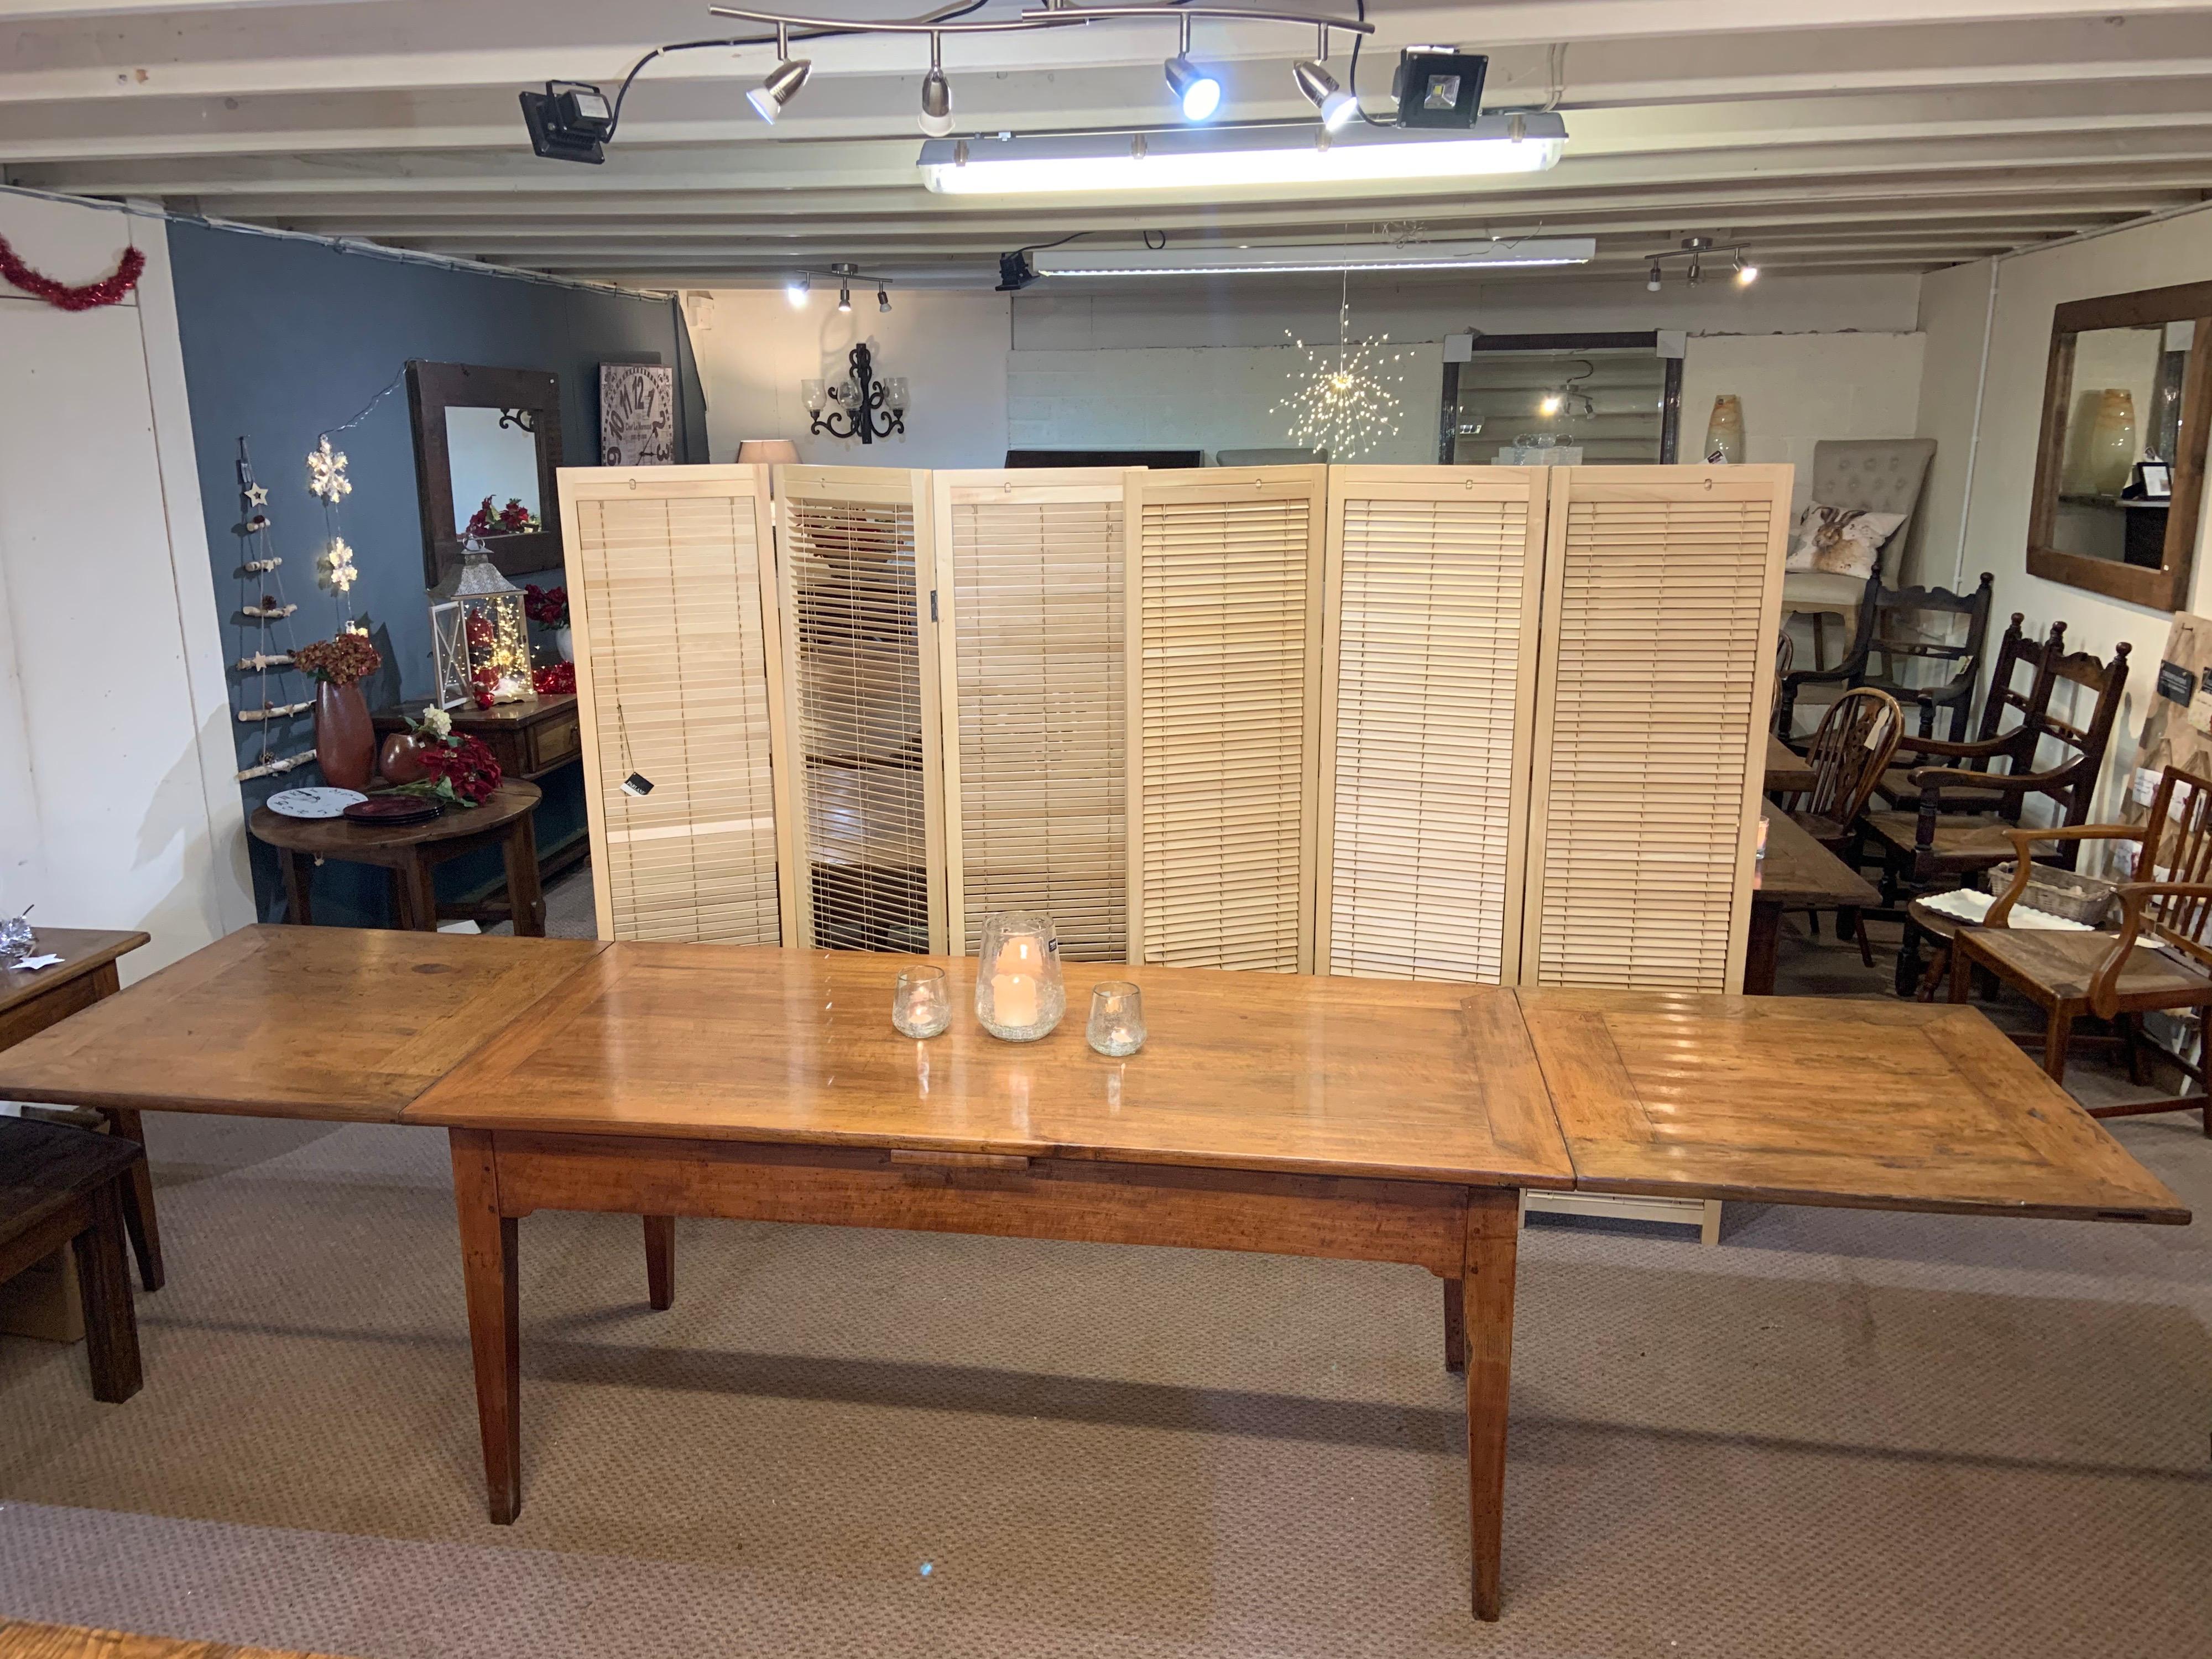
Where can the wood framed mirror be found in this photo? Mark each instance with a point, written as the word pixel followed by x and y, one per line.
pixel 2119 473
pixel 485 438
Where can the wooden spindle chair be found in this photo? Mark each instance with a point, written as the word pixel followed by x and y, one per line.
pixel 1857 736
pixel 2122 974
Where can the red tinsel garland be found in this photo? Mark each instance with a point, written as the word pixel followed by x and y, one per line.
pixel 90 296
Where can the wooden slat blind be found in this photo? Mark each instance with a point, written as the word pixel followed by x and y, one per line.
pixel 1435 586
pixel 1223 579
pixel 1031 611
pixel 1662 595
pixel 671 594
pixel 856 575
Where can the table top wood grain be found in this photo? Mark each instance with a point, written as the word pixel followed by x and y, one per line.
pixel 1798 872
pixel 1805 1100
pixel 1249 1071
pixel 293 1022
pixel 83 949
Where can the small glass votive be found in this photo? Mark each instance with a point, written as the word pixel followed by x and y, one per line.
pixel 1117 1018
pixel 921 1005
pixel 17 940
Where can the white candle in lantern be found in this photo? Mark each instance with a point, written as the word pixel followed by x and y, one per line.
pixel 1014 990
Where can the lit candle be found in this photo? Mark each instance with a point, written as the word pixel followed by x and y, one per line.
pixel 1014 994
pixel 1014 998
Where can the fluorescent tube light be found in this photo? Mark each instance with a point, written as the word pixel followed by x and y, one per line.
pixel 1184 160
pixel 1222 261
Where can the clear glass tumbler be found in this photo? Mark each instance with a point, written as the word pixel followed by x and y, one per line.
pixel 1018 994
pixel 1117 1018
pixel 921 1005
pixel 17 938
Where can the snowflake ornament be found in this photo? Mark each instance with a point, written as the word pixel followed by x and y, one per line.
pixel 1347 400
pixel 338 565
pixel 326 470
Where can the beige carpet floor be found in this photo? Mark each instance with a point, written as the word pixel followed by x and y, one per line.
pixel 1837 1434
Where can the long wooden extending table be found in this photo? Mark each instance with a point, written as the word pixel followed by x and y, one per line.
pixel 1367 1120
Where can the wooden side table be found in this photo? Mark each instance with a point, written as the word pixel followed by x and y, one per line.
pixel 71 1186
pixel 413 852
pixel 29 1002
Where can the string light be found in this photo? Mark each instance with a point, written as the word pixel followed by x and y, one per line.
pixel 1347 401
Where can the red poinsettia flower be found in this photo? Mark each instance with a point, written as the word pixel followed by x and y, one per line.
pixel 466 766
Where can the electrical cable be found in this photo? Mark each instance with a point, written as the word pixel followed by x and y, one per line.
pixel 1352 76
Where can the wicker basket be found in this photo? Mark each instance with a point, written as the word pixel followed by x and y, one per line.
pixel 2089 900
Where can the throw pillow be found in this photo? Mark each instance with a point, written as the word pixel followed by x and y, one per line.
pixel 1841 540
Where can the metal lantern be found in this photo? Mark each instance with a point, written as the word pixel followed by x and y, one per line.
pixel 479 638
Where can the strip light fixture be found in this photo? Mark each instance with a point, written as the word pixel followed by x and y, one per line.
pixel 1230 261
pixel 1528 141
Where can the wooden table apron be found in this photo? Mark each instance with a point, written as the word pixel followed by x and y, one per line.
pixel 1467 1235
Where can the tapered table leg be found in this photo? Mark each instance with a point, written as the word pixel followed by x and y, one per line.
pixel 1454 1325
pixel 660 1260
pixel 1493 1220
pixel 487 1264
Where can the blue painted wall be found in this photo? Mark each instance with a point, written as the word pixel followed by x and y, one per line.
pixel 285 339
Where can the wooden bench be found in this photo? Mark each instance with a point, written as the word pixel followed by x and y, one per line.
pixel 61 1186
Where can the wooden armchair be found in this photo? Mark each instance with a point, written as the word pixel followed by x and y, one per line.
pixel 1888 635
pixel 1963 818
pixel 1899 639
pixel 2020 684
pixel 2159 960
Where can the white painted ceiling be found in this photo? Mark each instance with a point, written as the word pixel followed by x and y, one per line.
pixel 1834 136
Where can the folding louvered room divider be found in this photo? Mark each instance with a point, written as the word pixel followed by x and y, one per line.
pixel 1662 589
pixel 672 597
pixel 1435 588
pixel 861 677
pixel 1223 638
pixel 1030 607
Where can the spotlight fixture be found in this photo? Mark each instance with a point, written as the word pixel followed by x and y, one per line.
pixel 1197 91
pixel 844 299
pixel 1692 252
pixel 1438 87
pixel 783 81
pixel 882 299
pixel 1337 107
pixel 569 121
pixel 936 118
pixel 1015 271
pixel 795 291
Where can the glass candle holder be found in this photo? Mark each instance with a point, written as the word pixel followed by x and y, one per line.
pixel 1018 994
pixel 17 938
pixel 1117 1018
pixel 922 1003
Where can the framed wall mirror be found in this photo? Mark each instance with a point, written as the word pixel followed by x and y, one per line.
pixel 487 441
pixel 2119 473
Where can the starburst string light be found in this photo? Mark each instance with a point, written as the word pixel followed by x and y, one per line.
pixel 1347 400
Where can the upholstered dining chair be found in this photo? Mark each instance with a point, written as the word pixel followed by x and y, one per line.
pixel 1873 475
pixel 2158 960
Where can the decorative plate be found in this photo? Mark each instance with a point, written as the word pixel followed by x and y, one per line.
pixel 394 809
pixel 321 803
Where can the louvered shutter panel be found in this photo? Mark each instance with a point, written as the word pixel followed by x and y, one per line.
pixel 1435 588
pixel 1030 611
pixel 1224 579
pixel 1662 595
pixel 671 601
pixel 860 669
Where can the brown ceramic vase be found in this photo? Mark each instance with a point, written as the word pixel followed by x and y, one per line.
pixel 401 760
pixel 345 740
